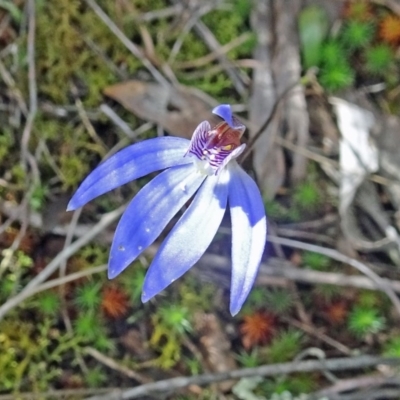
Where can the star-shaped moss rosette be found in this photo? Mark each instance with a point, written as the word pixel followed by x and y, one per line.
pixel 204 168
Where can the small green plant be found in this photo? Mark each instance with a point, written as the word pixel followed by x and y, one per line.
pixel 89 326
pixel 48 303
pixel 357 34
pixel 95 377
pixel 15 263
pixel 26 352
pixel 38 197
pixel 284 346
pixel 255 301
pixel 327 292
pixel 337 77
pixel 365 320
pixel 95 254
pixel 8 284
pixel 315 261
pixel 170 323
pixel 132 281
pixel 335 73
pixel 249 359
pixel 5 143
pixel 88 296
pixel 378 59
pixel 392 347
pixel 287 387
pixel 194 365
pixel 369 298
pixel 275 210
pixel 306 195
pixel 332 51
pixel 279 301
pixel 174 317
pixel 103 342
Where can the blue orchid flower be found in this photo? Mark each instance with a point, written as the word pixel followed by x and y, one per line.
pixel 203 168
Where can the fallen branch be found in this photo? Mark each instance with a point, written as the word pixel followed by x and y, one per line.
pixel 336 255
pixel 170 385
pixel 111 363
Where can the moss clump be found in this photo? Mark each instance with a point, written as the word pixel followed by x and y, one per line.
pixel 63 56
pixel 378 59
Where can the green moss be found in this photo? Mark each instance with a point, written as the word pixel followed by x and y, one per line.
pixel 5 144
pixel 18 174
pixel 279 301
pixel 332 51
pixel 369 299
pixel 47 303
pixel 60 57
pixel 249 359
pixel 70 150
pixel 30 354
pixel 94 254
pixel 276 210
pixel 306 195
pixel 66 59
pixel 167 343
pixel 88 296
pixel 194 295
pixel 337 77
pixel 95 377
pixel 358 34
pixel 365 320
pixel 145 5
pixel 285 346
pixel 89 326
pixel 286 387
pixel 378 59
pixel 326 291
pixel 174 317
pixel 226 26
pixel 392 347
pixel 38 198
pixel 316 261
pixel 74 169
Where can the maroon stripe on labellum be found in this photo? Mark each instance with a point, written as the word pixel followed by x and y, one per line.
pixel 214 145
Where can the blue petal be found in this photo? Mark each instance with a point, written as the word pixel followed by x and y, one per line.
pixel 129 164
pixel 149 213
pixel 224 111
pixel 190 237
pixel 249 231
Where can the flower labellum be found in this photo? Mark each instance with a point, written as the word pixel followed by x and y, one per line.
pixel 203 167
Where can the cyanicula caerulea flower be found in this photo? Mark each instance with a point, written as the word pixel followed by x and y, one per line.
pixel 205 168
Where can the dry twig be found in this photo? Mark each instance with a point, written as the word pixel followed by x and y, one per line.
pixel 111 363
pixel 127 43
pixel 171 385
pixel 202 61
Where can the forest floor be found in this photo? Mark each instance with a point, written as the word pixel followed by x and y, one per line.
pixel 318 87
